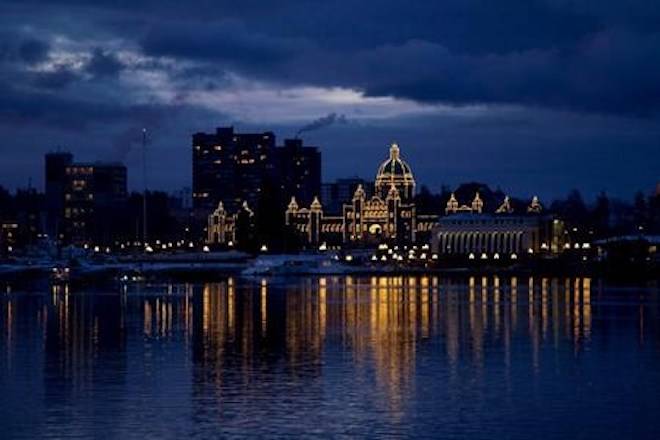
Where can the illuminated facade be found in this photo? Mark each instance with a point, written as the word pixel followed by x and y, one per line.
pixel 390 214
pixel 466 229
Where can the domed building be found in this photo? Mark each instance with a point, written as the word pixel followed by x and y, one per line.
pixel 395 172
pixel 389 215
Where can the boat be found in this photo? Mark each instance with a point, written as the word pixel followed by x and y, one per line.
pixel 303 264
pixel 60 274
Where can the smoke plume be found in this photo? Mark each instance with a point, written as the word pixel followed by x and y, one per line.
pixel 324 121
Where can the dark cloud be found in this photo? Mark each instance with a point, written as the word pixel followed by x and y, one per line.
pixel 56 79
pixel 104 64
pixel 560 61
pixel 228 42
pixel 33 51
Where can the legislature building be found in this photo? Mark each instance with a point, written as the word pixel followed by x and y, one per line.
pixel 389 215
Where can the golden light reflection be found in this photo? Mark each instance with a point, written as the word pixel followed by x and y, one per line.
pixel 381 322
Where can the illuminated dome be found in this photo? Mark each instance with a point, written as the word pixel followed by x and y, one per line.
pixel 395 172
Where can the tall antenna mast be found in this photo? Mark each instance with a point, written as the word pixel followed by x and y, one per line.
pixel 144 177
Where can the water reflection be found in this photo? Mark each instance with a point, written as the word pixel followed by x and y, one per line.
pixel 234 350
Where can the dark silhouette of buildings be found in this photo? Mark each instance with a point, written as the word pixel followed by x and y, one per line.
pixel 95 197
pixel 248 172
pixel 299 170
pixel 230 167
pixel 55 182
pixel 84 201
pixel 335 194
pixel 233 168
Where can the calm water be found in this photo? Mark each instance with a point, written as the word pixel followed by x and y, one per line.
pixel 491 357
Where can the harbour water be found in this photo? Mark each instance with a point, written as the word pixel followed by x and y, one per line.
pixel 422 357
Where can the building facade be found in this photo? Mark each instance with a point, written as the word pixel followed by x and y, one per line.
pixel 234 168
pixel 230 167
pixel 335 194
pixel 84 201
pixel 467 230
pixel 298 170
pixel 389 214
pixel 95 196
pixel 55 184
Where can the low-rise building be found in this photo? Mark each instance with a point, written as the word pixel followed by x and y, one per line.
pixel 466 229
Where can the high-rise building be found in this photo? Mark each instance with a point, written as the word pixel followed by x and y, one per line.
pixel 298 170
pixel 335 194
pixel 234 168
pixel 95 196
pixel 231 168
pixel 55 182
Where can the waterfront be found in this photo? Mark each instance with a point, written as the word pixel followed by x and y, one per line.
pixel 415 356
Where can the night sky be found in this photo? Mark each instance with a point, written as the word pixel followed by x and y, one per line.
pixel 536 97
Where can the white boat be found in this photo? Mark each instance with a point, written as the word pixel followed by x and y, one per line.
pixel 321 264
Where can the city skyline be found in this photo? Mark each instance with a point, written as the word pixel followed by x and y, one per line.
pixel 542 99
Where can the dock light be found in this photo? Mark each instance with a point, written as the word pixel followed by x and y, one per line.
pixel 121 246
pixel 425 247
pixel 383 258
pixel 85 246
pixel 169 244
pixel 484 256
pixel 96 249
pixel 264 248
pixel 230 244
pixel 544 246
pixel 496 256
pixel 586 246
pixel 423 256
pixel 349 257
pixel 400 258
pixel 323 247
pixel 584 258
pixel 164 246
pixel 10 249
pixel 577 246
pixel 382 247
pixel 471 256
pixel 107 250
pixel 206 249
pixel 149 249
pixel 514 256
pixel 567 246
pixel 435 256
pixel 411 256
pixel 530 251
pixel 157 241
pixel 374 258
pixel 390 251
pixel 191 245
